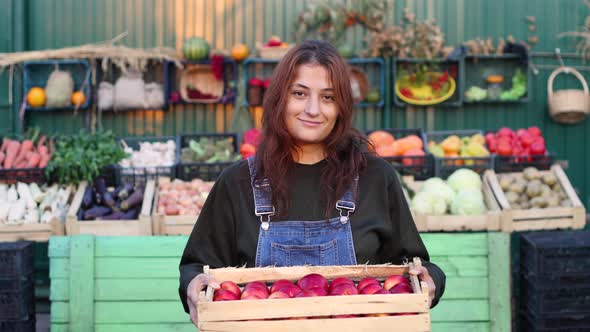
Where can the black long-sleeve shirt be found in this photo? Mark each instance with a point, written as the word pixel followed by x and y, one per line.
pixel 226 232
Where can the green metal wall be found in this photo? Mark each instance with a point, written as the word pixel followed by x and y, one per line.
pixel 59 23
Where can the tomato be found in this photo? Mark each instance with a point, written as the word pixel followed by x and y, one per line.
pixel 504 148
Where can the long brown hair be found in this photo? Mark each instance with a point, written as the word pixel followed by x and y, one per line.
pixel 343 146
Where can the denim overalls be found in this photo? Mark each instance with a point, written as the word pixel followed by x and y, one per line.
pixel 292 243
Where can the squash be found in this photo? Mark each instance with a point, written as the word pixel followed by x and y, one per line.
pixel 381 138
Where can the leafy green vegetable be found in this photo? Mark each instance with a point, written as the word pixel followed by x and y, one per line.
pixel 475 93
pixel 518 87
pixel 82 157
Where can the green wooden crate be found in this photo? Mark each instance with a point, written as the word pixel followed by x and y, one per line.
pixel 131 283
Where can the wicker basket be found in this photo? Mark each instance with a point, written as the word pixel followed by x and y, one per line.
pixel 202 78
pixel 275 52
pixel 359 83
pixel 568 106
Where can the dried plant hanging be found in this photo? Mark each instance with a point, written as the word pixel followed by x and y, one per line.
pixel 583 45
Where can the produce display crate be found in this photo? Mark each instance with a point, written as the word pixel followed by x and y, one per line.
pixel 27 325
pixel 490 221
pixel 140 226
pixel 420 167
pixel 551 323
pixel 17 302
pixel 443 167
pixel 16 259
pixel 513 220
pixel 140 175
pixel 202 170
pixel 287 314
pixel 510 164
pixel 171 225
pixel 36 73
pixel 26 175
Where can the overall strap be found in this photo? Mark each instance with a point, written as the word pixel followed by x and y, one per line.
pixel 262 193
pixel 346 204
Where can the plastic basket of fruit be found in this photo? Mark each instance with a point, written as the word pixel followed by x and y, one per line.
pixel 198 84
pixel 436 88
pixel 149 158
pixel 405 149
pixel 455 149
pixel 205 156
pixel 516 150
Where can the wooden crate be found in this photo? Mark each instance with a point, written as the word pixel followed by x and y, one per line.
pixel 489 221
pixel 121 283
pixel 171 225
pixel 140 226
pixel 278 314
pixel 31 232
pixel 513 220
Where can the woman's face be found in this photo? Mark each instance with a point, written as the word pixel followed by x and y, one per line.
pixel 311 111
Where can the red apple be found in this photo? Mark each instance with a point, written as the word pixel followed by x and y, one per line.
pixel 312 292
pixel 534 131
pixel 292 290
pixel 279 284
pixel 382 291
pixel 254 294
pixel 278 295
pixel 490 136
pixel 232 287
pixel 344 289
pixel 537 149
pixel 340 281
pixel 225 295
pixel 313 280
pixel 504 131
pixel 256 284
pixel 401 288
pixel 367 281
pixel 394 280
pixel 371 289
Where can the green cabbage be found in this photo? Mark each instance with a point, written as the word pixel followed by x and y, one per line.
pixel 468 202
pixel 438 187
pixel 464 178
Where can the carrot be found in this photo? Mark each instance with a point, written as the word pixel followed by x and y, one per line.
pixel 2 156
pixel 44 160
pixel 41 141
pixel 11 152
pixel 25 147
pixel 21 164
pixel 5 143
pixel 33 159
pixel 43 150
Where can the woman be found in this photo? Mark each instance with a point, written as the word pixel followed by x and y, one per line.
pixel 312 195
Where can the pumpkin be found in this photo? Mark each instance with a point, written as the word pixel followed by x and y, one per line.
pixel 239 52
pixel 36 97
pixel 195 48
pixel 386 150
pixel 381 138
pixel 78 98
pixel 415 142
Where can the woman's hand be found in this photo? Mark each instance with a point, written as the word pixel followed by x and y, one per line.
pixel 422 273
pixel 192 293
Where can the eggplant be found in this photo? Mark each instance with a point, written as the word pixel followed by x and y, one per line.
pixel 108 199
pixel 126 191
pixel 117 215
pixel 134 200
pixel 96 212
pixel 80 214
pixel 100 188
pixel 131 214
pixel 87 197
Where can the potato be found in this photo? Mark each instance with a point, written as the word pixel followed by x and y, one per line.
pixel 553 200
pixel 518 187
pixel 566 203
pixel 546 190
pixel 531 173
pixel 549 179
pixel 539 202
pixel 534 188
pixel 505 182
pixel 523 198
pixel 512 197
pixel 525 205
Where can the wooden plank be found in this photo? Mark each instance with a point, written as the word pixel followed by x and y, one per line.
pixel 310 306
pixel 59 268
pixel 60 312
pixel 31 232
pixel 140 246
pixel 466 288
pixel 138 268
pixel 411 323
pixel 499 282
pixel 82 283
pixel 242 275
pixel 59 246
pixel 461 311
pixel 58 327
pixel 136 290
pixel 460 326
pixel 136 312
pixel 152 327
pixel 467 244
pixel 462 266
pixel 60 290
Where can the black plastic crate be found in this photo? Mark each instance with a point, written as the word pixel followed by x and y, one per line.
pixel 27 325
pixel 18 303
pixel 443 167
pixel 511 164
pixel 556 298
pixel 555 322
pixel 27 175
pixel 140 175
pixel 556 253
pixel 421 167
pixel 202 170
pixel 16 259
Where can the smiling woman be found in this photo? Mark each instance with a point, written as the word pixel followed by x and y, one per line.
pixel 331 201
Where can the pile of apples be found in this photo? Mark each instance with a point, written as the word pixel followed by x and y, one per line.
pixel 524 142
pixel 311 285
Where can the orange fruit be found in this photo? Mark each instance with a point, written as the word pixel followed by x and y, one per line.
pixel 36 97
pixel 78 98
pixel 239 52
pixel 380 138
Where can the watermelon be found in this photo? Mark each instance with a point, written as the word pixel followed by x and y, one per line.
pixel 195 48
